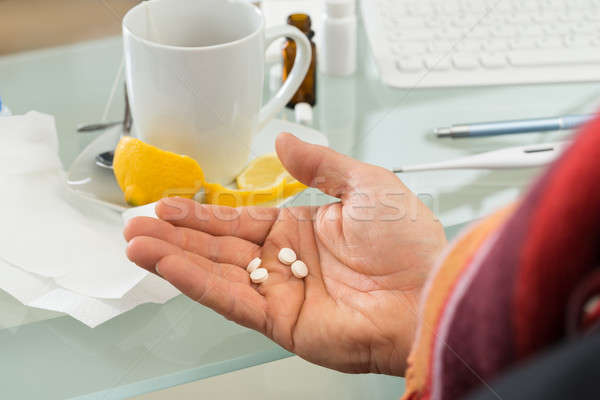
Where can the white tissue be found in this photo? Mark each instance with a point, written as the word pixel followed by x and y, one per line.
pixel 29 144
pixel 141 211
pixel 58 251
pixel 35 291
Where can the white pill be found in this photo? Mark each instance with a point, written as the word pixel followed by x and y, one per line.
pixel 287 256
pixel 252 265
pixel 299 269
pixel 259 275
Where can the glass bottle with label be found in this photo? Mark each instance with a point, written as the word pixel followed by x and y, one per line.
pixel 307 92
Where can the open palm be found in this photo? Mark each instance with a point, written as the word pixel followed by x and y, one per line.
pixel 368 256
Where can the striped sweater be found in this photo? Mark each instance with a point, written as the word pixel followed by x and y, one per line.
pixel 515 283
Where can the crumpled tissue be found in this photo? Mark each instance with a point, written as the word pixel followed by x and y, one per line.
pixel 58 251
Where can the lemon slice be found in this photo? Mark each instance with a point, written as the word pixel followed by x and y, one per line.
pixel 221 195
pixel 292 186
pixel 146 173
pixel 262 172
pixel 270 195
pixel 266 171
pixel 265 181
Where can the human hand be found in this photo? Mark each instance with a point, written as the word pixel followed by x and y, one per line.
pixel 368 257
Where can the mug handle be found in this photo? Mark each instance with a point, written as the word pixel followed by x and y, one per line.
pixel 296 76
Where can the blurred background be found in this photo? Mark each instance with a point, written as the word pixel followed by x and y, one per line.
pixel 34 24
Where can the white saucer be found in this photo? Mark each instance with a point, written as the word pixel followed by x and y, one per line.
pixel 99 185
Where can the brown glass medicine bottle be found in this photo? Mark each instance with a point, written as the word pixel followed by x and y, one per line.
pixel 307 92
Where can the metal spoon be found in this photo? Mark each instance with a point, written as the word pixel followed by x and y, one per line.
pixel 97 127
pixel 105 159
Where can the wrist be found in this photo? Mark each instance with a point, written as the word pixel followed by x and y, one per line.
pixel 390 357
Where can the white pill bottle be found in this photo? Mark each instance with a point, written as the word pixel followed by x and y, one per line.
pixel 4 111
pixel 338 38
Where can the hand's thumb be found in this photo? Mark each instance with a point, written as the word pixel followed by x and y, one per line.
pixel 318 166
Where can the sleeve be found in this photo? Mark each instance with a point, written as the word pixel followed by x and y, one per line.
pixel 515 283
pixel 570 370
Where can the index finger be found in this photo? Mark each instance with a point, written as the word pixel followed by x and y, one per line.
pixel 236 301
pixel 249 223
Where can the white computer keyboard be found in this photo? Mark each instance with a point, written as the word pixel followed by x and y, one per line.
pixel 433 43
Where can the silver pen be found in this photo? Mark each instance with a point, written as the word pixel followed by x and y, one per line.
pixel 516 126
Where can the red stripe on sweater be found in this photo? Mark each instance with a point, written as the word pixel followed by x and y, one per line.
pixel 562 245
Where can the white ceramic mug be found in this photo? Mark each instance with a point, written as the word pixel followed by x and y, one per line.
pixel 195 71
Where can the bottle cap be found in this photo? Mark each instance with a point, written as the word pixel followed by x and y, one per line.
pixel 304 113
pixel 339 8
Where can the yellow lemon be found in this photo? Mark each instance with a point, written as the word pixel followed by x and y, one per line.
pixel 261 172
pixel 264 181
pixel 266 171
pixel 292 186
pixel 218 194
pixel 146 173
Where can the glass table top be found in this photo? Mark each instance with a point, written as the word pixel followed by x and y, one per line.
pixel 52 356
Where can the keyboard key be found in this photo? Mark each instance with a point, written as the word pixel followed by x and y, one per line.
pixel 418 10
pixel 417 35
pixel 550 42
pixel 495 45
pixel 557 29
pixel 409 64
pixel 585 29
pixel 450 9
pixel 437 63
pixel 451 33
pixel 437 22
pixel 408 48
pixel 479 32
pixel 410 22
pixel 467 22
pixel 475 5
pixel 529 7
pixel 574 41
pixel 502 7
pixel 569 18
pixel 531 30
pixel 593 16
pixel 494 7
pixel 554 57
pixel 493 20
pixel 544 18
pixel 469 45
pixel 523 43
pixel 441 46
pixel 493 60
pixel 518 19
pixel 504 31
pixel 465 61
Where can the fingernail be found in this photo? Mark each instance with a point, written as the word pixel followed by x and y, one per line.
pixel 156 269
